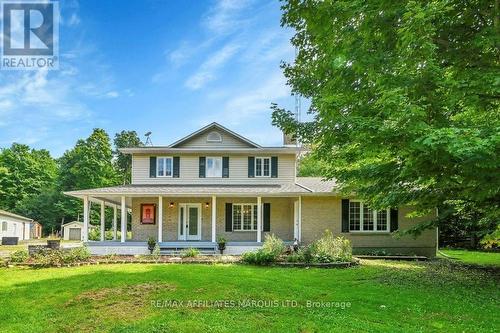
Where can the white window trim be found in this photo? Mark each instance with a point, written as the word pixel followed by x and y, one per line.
pixel 254 222
pixel 206 166
pixel 375 217
pixel 262 169
pixel 165 166
pixel 4 223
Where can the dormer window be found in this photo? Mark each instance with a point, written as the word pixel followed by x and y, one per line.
pixel 214 137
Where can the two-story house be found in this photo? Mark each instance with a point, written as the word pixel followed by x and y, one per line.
pixel 216 183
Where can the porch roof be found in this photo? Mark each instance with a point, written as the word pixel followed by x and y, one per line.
pixel 302 186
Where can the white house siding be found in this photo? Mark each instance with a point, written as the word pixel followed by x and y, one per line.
pixel 238 170
pixel 15 228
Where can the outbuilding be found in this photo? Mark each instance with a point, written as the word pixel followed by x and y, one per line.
pixel 73 231
pixel 13 225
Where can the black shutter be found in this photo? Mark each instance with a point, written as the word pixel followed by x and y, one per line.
pixel 267 216
pixel 251 167
pixel 202 166
pixel 345 215
pixel 394 220
pixel 229 217
pixel 176 168
pixel 274 167
pixel 225 167
pixel 152 166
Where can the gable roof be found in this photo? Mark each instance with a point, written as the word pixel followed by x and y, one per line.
pixel 210 127
pixel 9 214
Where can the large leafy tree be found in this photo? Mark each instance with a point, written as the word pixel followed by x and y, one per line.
pixel 24 172
pixel 88 165
pixel 404 98
pixel 123 163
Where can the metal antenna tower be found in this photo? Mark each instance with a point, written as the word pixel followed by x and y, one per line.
pixel 148 139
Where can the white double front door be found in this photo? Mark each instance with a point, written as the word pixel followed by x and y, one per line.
pixel 189 221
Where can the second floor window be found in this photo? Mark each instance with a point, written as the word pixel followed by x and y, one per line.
pixel 164 167
pixel 262 167
pixel 214 167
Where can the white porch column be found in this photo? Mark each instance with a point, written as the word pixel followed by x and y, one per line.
pixel 123 221
pixel 85 219
pixel 103 221
pixel 160 219
pixel 214 217
pixel 259 219
pixel 300 219
pixel 115 217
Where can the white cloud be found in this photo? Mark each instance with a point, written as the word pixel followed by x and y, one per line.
pixel 226 16
pixel 207 71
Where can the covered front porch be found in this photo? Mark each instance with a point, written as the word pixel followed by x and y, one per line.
pixel 177 222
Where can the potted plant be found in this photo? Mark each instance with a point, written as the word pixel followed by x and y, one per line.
pixel 221 244
pixel 151 244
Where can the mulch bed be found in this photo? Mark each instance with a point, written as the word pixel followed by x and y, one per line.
pixel 103 260
pixel 407 258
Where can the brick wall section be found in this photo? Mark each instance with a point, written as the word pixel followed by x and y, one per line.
pixel 141 232
pixel 281 219
pixel 320 213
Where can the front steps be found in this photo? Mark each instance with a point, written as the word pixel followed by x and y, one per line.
pixel 176 248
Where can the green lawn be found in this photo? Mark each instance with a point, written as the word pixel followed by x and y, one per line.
pixel 473 257
pixel 384 296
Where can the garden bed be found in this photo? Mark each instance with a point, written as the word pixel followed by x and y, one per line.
pixel 406 258
pixel 318 264
pixel 102 260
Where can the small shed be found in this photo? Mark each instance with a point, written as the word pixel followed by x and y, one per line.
pixel 14 226
pixel 73 231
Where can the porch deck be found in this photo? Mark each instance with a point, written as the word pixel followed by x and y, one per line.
pixel 168 248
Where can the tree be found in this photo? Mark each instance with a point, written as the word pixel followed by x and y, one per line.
pixel 88 165
pixel 24 172
pixel 310 166
pixel 123 162
pixel 405 99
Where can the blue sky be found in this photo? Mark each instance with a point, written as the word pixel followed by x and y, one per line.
pixel 168 66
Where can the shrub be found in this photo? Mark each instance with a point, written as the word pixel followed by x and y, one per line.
pixel 273 245
pixel 491 241
pixel 76 254
pixel 19 256
pixel 156 252
pixel 296 256
pixel 272 248
pixel 259 257
pixel 190 252
pixel 49 257
pixel 94 234
pixel 329 249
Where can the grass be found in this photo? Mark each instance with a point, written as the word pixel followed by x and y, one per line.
pixel 473 257
pixel 383 296
pixel 6 250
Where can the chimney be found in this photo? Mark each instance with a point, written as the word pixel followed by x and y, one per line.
pixel 288 140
